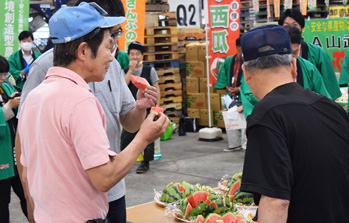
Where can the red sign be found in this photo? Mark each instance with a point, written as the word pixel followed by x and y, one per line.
pixel 224 29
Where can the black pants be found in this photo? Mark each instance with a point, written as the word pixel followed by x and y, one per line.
pixel 127 137
pixel 117 211
pixel 5 197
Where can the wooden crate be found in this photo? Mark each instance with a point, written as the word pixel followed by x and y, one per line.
pixel 163 64
pixel 161 56
pixel 173 106
pixel 169 93
pixel 173 113
pixel 169 100
pixel 151 31
pixel 169 79
pixel 160 47
pixel 160 39
pixel 168 71
pixel 171 86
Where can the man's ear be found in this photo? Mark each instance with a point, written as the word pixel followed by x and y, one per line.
pixel 81 51
pixel 247 75
pixel 294 68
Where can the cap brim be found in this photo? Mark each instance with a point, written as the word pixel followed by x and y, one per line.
pixel 112 21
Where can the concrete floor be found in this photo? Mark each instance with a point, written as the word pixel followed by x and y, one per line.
pixel 184 158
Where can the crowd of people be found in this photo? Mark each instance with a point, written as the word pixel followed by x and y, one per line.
pixel 77 124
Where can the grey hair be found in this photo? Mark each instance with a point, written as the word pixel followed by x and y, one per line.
pixel 267 62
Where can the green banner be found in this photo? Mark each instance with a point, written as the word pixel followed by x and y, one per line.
pixel 14 16
pixel 330 34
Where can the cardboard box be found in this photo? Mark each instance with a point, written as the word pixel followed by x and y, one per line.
pixel 220 91
pixel 192 85
pixel 196 100
pixel 151 20
pixel 191 52
pixel 196 69
pixel 193 113
pixel 204 117
pixel 202 52
pixel 218 120
pixel 203 85
pixel 215 100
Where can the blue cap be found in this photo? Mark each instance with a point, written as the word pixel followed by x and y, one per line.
pixel 70 23
pixel 272 35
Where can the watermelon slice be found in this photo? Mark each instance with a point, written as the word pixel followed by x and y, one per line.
pixel 233 189
pixel 229 218
pixel 211 218
pixel 140 82
pixel 157 110
pixel 199 219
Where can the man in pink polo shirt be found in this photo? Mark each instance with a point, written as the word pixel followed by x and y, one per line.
pixel 65 150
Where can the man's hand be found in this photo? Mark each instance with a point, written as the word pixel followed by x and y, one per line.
pixel 151 130
pixel 147 99
pixel 233 90
pixel 132 65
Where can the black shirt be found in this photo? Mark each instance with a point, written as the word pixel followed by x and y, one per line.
pixel 298 150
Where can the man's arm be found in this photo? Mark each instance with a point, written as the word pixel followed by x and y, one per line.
pixel 132 65
pixel 22 172
pixel 106 176
pixel 272 210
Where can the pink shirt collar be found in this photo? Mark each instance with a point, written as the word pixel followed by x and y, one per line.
pixel 67 74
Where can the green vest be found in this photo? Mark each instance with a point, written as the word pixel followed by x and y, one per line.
pixel 312 80
pixel 16 66
pixel 7 167
pixel 321 60
pixel 123 59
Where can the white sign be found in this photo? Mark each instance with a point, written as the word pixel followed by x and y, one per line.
pixel 188 13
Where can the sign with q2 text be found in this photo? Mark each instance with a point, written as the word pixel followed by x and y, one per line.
pixel 188 13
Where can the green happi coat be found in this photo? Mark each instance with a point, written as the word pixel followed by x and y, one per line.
pixel 317 56
pixel 123 59
pixel 312 80
pixel 7 166
pixel 344 77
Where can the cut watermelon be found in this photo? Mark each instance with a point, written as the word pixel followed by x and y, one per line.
pixel 140 82
pixel 212 218
pixel 197 197
pixel 233 189
pixel 229 218
pixel 157 110
pixel 199 219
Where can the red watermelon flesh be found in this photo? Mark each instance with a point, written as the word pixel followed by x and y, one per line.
pixel 229 218
pixel 212 218
pixel 199 219
pixel 208 202
pixel 140 82
pixel 214 204
pixel 233 189
pixel 157 110
pixel 180 187
pixel 197 197
pixel 219 221
pixel 188 209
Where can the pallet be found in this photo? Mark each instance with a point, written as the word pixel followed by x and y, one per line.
pixel 160 47
pixel 170 93
pixel 160 56
pixel 155 1
pixel 169 79
pixel 151 31
pixel 175 113
pixel 160 39
pixel 168 71
pixel 171 107
pixel 245 4
pixel 163 64
pixel 164 7
pixel 171 86
pixel 164 101
pixel 191 36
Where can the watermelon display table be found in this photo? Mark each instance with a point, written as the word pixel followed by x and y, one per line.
pixel 148 212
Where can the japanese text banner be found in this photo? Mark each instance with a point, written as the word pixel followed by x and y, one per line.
pixel 13 20
pixel 134 24
pixel 224 29
pixel 330 34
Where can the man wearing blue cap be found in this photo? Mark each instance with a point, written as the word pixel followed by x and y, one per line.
pixel 67 164
pixel 296 138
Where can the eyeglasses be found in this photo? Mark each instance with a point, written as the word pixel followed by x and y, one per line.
pixel 117 34
pixel 91 34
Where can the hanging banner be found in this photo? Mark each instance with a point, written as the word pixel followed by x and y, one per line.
pixel 312 5
pixel 134 25
pixel 14 16
pixel 303 6
pixel 276 8
pixel 255 4
pixel 338 11
pixel 224 24
pixel 330 34
pixel 288 4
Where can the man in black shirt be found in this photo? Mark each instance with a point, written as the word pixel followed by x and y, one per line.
pixel 296 163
